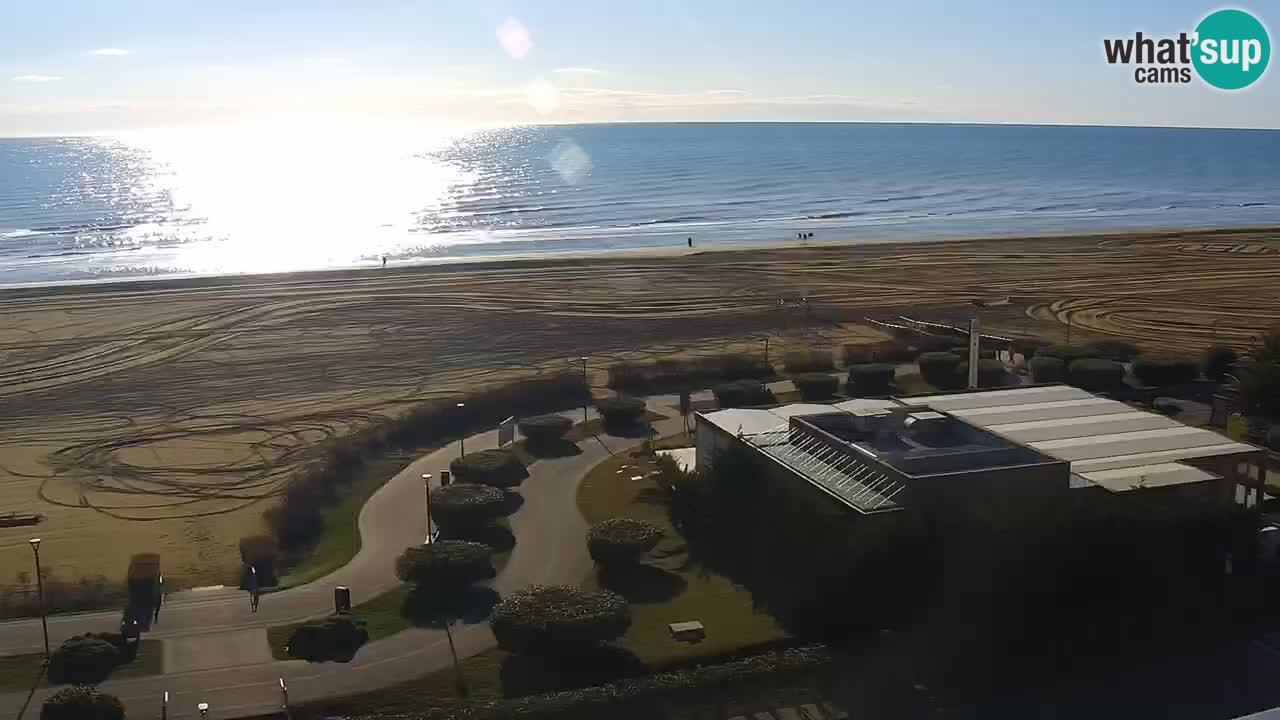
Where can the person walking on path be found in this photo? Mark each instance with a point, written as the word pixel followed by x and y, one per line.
pixel 252 583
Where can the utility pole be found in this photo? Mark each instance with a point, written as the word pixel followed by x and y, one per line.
pixel 426 486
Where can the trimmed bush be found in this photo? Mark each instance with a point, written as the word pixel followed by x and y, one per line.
pixel 1095 374
pixel 1163 370
pixel 941 370
pixel 743 393
pixel 545 429
pixel 82 703
pixel 879 352
pixel 1045 369
pixel 335 638
pixel 803 361
pixel 1027 346
pixel 466 505
pixel 83 659
pixel 991 373
pixel 621 411
pixel 1066 353
pixel 816 386
pixel 448 563
pixel 621 541
pixel 1218 361
pixel 870 379
pixel 1112 349
pixel 499 468
pixel 260 552
pixel 549 620
pixel 686 373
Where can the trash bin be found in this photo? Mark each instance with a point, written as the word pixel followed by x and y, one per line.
pixel 342 599
pixel 444 478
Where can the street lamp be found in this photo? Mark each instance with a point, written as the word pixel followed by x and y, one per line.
pixel 426 486
pixel 204 709
pixel 284 693
pixel 164 706
pixel 44 621
pixel 586 387
pixel 462 441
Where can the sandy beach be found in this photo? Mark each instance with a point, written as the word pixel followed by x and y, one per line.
pixel 165 415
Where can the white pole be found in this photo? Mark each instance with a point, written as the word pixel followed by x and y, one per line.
pixel 974 336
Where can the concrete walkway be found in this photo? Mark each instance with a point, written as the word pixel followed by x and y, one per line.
pixel 215 648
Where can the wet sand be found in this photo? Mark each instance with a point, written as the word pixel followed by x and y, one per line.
pixel 165 415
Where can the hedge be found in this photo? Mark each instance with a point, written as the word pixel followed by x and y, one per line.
pixel 1112 349
pixel 545 429
pixel 83 659
pixel 1045 369
pixel 991 373
pixel 686 373
pixel 878 352
pixel 803 361
pixel 1163 370
pixel 1095 374
pixel 496 467
pixel 1218 361
pixel 82 703
pixel 260 552
pixel 941 370
pixel 870 379
pixel 548 620
pixel 1066 353
pixel 621 411
pixel 448 563
pixel 816 386
pixel 1027 346
pixel 743 393
pixel 466 505
pixel 335 638
pixel 621 541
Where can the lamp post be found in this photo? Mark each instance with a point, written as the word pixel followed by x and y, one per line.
pixel 462 441
pixel 164 706
pixel 284 695
pixel 587 386
pixel 426 486
pixel 44 620
pixel 204 709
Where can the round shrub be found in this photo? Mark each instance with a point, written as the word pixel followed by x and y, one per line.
pixel 549 620
pixel 940 369
pixel 82 702
pixel 1095 374
pixel 871 379
pixel 991 373
pixel 743 393
pixel 448 563
pixel 1045 369
pixel 1218 361
pixel 1066 353
pixel 499 468
pixel 83 659
pixel 816 386
pixel 1161 370
pixel 621 541
pixel 466 505
pixel 545 429
pixel 335 638
pixel 1112 349
pixel 620 411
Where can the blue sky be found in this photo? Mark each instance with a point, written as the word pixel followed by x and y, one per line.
pixel 70 66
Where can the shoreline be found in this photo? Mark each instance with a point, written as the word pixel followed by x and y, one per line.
pixel 567 258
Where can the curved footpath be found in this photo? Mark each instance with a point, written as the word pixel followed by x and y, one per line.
pixel 216 651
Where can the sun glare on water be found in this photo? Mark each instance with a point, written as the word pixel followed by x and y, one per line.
pixel 282 197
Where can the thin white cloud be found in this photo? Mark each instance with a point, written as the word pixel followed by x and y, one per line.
pixel 727 92
pixel 110 52
pixel 578 71
pixel 37 78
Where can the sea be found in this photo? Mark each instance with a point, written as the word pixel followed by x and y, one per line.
pixel 259 199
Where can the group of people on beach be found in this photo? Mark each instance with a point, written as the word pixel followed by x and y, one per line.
pixel 803 235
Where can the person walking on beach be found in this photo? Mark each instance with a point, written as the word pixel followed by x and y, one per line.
pixel 384 261
pixel 691 241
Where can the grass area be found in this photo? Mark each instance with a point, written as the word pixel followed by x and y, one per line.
pixel 19 672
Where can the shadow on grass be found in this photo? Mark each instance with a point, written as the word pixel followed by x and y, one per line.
pixel 653 496
pixel 427 608
pixel 512 502
pixel 499 539
pixel 643 583
pixel 557 448
pixel 533 674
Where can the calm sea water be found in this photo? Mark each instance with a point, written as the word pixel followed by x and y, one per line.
pixel 274 199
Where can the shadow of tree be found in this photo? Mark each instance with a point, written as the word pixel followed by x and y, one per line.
pixel 534 674
pixel 512 502
pixel 500 539
pixel 557 448
pixel 431 607
pixel 643 583
pixel 635 429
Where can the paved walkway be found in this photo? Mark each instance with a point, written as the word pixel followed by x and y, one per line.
pixel 214 646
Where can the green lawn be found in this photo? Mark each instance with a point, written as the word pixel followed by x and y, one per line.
pixel 19 672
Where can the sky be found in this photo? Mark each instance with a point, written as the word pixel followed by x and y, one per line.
pixel 86 66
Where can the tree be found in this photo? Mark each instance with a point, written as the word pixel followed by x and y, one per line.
pixel 499 468
pixel 816 385
pixel 619 542
pixel 467 505
pixel 82 702
pixel 83 659
pixel 871 379
pixel 544 430
pixel 335 638
pixel 445 564
pixel 1258 377
pixel 558 619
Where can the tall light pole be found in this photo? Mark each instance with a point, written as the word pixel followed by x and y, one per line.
pixel 44 621
pixel 586 386
pixel 426 486
pixel 164 706
pixel 284 695
pixel 462 441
